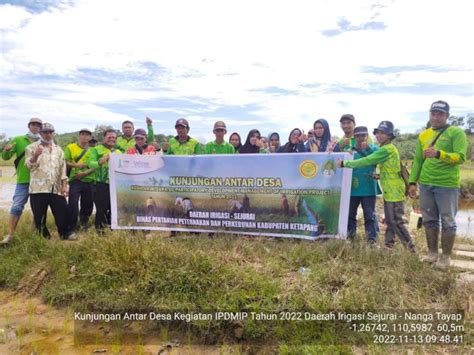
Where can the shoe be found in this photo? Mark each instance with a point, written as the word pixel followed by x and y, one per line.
pixel 71 237
pixel 388 246
pixel 443 262
pixel 373 244
pixel 7 240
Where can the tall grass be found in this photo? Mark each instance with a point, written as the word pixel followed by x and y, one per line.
pixel 122 272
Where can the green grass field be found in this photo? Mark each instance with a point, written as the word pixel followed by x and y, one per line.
pixel 124 272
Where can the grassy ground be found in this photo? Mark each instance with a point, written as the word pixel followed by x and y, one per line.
pixel 123 272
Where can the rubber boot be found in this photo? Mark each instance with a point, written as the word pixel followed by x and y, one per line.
pixel 447 242
pixel 432 242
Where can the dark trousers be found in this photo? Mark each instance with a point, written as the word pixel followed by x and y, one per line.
pixel 370 221
pixel 394 212
pixel 39 206
pixel 79 190
pixel 102 206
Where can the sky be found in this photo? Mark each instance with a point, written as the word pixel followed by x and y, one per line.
pixel 271 65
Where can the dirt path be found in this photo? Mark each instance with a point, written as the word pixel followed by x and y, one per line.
pixel 28 326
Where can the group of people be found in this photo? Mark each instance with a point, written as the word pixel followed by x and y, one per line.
pixel 48 175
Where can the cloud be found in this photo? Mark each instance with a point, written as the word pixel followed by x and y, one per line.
pixel 249 62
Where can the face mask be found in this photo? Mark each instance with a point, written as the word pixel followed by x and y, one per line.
pixel 45 141
pixel 34 136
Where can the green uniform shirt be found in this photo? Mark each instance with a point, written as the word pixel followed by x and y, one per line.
pixel 215 148
pixel 352 143
pixel 391 180
pixel 71 153
pixel 442 171
pixel 188 147
pixel 101 171
pixel 19 145
pixel 123 143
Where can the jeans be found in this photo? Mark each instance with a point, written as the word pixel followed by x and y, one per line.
pixel 439 203
pixel 370 221
pixel 394 212
pixel 39 206
pixel 83 191
pixel 20 198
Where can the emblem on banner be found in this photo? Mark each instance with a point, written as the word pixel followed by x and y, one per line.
pixel 308 169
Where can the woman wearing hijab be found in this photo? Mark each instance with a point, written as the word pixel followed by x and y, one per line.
pixel 295 143
pixel 253 144
pixel 273 142
pixel 235 140
pixel 322 142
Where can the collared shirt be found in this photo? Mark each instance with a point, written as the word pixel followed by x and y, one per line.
pixel 123 143
pixel 189 147
pixel 101 170
pixel 74 151
pixel 445 170
pixel 19 146
pixel 216 148
pixel 48 172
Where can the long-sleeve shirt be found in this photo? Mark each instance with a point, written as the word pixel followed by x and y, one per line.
pixel 442 171
pixel 363 182
pixel 123 143
pixel 388 159
pixel 48 172
pixel 71 153
pixel 188 147
pixel 101 170
pixel 19 146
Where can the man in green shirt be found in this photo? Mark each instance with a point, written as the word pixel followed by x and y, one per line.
pixel 127 141
pixel 348 124
pixel 81 180
pixel 219 146
pixel 99 160
pixel 16 147
pixel 182 144
pixel 393 186
pixel 440 151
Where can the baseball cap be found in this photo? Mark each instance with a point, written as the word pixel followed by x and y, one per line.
pixel 86 130
pixel 182 122
pixel 347 116
pixel 35 120
pixel 441 106
pixel 360 130
pixel 220 125
pixel 47 127
pixel 139 132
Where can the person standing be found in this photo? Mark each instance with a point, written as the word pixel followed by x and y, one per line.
pixel 321 141
pixel 365 188
pixel 81 180
pixel 348 124
pixel 99 160
pixel 48 183
pixel 17 147
pixel 235 140
pixel 295 142
pixel 126 140
pixel 440 150
pixel 219 145
pixel 141 146
pixel 393 186
pixel 182 143
pixel 253 144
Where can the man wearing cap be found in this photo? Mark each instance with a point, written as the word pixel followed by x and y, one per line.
pixel 183 144
pixel 48 183
pixel 393 186
pixel 365 188
pixel 141 146
pixel 17 147
pixel 440 151
pixel 348 124
pixel 99 160
pixel 126 140
pixel 81 180
pixel 219 146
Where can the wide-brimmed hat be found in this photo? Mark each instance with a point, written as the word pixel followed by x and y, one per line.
pixel 385 127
